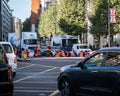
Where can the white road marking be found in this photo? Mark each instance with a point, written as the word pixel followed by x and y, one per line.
pixel 33 91
pixel 54 93
pixel 34 75
pixel 26 66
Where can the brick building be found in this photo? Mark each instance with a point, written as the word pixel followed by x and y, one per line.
pixel 35 12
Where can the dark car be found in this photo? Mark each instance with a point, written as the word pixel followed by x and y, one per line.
pixel 6 75
pixel 98 74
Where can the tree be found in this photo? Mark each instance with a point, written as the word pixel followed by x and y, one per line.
pixel 26 25
pixel 65 17
pixel 100 17
pixel 72 16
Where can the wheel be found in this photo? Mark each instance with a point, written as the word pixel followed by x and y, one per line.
pixel 66 89
pixel 116 92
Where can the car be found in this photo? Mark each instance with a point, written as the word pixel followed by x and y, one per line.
pixel 77 48
pixel 98 74
pixel 11 56
pixel 6 75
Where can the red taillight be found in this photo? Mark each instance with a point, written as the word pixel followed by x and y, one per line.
pixel 15 60
pixel 10 75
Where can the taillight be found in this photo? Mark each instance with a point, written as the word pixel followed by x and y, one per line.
pixel 15 60
pixel 10 75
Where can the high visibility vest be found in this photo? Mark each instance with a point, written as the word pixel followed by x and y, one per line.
pixel 38 47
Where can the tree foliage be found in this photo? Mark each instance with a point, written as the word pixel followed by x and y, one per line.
pixel 100 17
pixel 65 17
pixel 26 25
pixel 72 16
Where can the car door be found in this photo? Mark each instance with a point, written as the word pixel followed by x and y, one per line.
pixel 91 66
pixel 106 78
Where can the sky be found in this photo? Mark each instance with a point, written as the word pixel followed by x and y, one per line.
pixel 21 8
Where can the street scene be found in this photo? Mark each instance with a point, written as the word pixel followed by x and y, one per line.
pixel 59 47
pixel 38 77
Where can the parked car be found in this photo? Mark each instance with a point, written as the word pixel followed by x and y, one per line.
pixel 98 74
pixel 77 48
pixel 12 60
pixel 6 78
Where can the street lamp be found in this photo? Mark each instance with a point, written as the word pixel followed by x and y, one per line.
pixel 108 23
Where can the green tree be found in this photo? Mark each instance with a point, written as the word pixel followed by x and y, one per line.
pixel 65 17
pixel 26 25
pixel 100 17
pixel 48 22
pixel 72 16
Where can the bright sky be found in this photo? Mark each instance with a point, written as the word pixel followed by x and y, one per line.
pixel 21 8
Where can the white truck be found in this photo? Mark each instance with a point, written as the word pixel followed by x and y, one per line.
pixel 63 40
pixel 28 40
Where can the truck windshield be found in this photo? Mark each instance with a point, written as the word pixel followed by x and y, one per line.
pixel 72 41
pixel 30 41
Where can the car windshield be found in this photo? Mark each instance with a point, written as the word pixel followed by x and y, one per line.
pixel 7 48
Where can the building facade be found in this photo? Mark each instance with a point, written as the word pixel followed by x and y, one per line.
pixel 17 26
pixel 35 12
pixel 5 20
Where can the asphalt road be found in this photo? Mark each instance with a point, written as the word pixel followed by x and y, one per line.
pixel 38 77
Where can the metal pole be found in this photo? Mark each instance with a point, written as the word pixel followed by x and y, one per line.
pixel 109 23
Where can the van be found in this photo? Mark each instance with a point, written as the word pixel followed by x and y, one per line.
pixel 77 48
pixel 12 60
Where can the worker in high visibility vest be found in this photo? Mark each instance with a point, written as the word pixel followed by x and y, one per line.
pixel 39 49
pixel 48 48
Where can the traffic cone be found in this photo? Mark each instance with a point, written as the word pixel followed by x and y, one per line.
pixel 57 54
pixel 81 54
pixel 62 54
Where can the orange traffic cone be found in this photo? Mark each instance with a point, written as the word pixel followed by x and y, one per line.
pixel 81 54
pixel 62 54
pixel 57 54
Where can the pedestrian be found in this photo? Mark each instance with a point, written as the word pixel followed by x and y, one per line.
pixel 48 49
pixel 39 49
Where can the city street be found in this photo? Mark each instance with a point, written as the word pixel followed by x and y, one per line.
pixel 38 77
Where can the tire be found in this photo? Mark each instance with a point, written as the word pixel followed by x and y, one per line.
pixel 116 92
pixel 66 89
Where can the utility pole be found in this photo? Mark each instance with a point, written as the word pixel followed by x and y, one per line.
pixel 109 23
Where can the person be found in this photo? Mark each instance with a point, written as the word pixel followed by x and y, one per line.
pixel 39 49
pixel 48 50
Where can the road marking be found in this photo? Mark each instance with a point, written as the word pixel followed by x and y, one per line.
pixel 37 82
pixel 26 67
pixel 33 90
pixel 34 75
pixel 54 93
pixel 39 65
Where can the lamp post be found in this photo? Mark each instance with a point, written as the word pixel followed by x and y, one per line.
pixel 109 23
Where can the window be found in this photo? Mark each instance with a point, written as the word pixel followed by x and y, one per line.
pixel 7 48
pixel 96 60
pixel 113 59
pixel 3 59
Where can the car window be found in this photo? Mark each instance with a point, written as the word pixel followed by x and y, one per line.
pixel 3 59
pixel 113 59
pixel 77 47
pixel 7 48
pixel 96 60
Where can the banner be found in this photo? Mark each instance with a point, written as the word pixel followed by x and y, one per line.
pixel 112 15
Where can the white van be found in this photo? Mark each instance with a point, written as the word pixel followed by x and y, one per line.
pixel 12 60
pixel 77 48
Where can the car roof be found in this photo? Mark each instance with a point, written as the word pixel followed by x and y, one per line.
pixel 110 49
pixel 4 42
